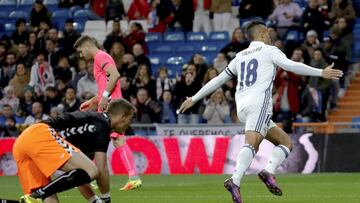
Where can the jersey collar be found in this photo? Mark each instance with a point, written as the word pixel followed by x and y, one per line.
pixel 107 117
pixel 256 43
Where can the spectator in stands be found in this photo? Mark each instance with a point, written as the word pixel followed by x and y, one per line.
pixel 20 80
pixel 217 110
pixel 148 110
pixel 117 52
pixel 55 112
pixel 9 46
pixel 53 52
pixel 324 8
pixel 144 80
pixel 138 10
pixel 127 89
pixel 70 37
pixel 237 44
pixel 20 34
pixel 286 99
pixel 298 56
pixel 26 102
pixel 286 13
pixel 273 33
pixel 114 10
pixel 222 14
pixel 183 89
pixel 53 35
pixel 210 74
pixel 196 77
pixel 311 42
pixel 159 16
pixel 8 69
pixel 312 19
pixel 81 70
pixel 201 66
pixel 342 9
pixel 50 99
pixel 86 87
pixel 34 45
pixel 167 111
pixel 136 36
pixel 202 16
pixel 279 44
pixel 340 54
pixel 255 8
pixel 41 75
pixel 318 61
pixel 63 70
pixel 220 62
pixel 115 35
pixel 10 98
pixel 140 56
pixel 332 56
pixel 38 13
pixel 42 33
pixel 311 105
pixel 129 66
pixel 8 112
pixel 3 52
pixel 346 31
pixel 37 114
pixel 9 129
pixel 163 83
pixel 24 56
pixel 179 21
pixel 70 103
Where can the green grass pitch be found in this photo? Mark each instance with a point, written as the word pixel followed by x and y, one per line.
pixel 315 188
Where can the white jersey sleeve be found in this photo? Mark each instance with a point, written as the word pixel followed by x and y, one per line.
pixel 212 85
pixel 280 59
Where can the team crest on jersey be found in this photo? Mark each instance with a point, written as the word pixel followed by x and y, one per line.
pixel 77 130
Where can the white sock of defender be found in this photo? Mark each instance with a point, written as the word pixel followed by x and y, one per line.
pixel 94 198
pixel 245 157
pixel 279 154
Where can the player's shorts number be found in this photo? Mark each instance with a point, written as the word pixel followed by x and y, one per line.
pixel 250 75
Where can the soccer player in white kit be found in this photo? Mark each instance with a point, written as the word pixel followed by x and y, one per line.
pixel 255 68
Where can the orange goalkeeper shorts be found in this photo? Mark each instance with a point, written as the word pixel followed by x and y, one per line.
pixel 39 151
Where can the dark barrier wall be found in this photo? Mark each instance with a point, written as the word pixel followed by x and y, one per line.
pixel 338 152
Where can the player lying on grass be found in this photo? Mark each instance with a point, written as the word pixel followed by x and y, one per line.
pixel 107 79
pixel 60 144
pixel 255 69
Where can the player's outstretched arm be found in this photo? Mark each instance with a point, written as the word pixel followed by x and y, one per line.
pixel 210 87
pixel 330 73
pixel 280 59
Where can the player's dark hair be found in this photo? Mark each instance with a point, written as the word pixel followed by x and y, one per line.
pixel 79 42
pixel 251 28
pixel 120 106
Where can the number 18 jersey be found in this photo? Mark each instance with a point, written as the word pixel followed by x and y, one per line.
pixel 255 70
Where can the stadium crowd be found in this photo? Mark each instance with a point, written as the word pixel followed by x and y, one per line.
pixel 42 75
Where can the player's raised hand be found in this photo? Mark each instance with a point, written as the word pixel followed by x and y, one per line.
pixel 188 103
pixel 331 73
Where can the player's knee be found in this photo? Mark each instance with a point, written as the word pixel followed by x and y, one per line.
pixel 92 171
pixel 287 142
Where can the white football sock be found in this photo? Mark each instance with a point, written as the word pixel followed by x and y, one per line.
pixel 279 154
pixel 245 157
